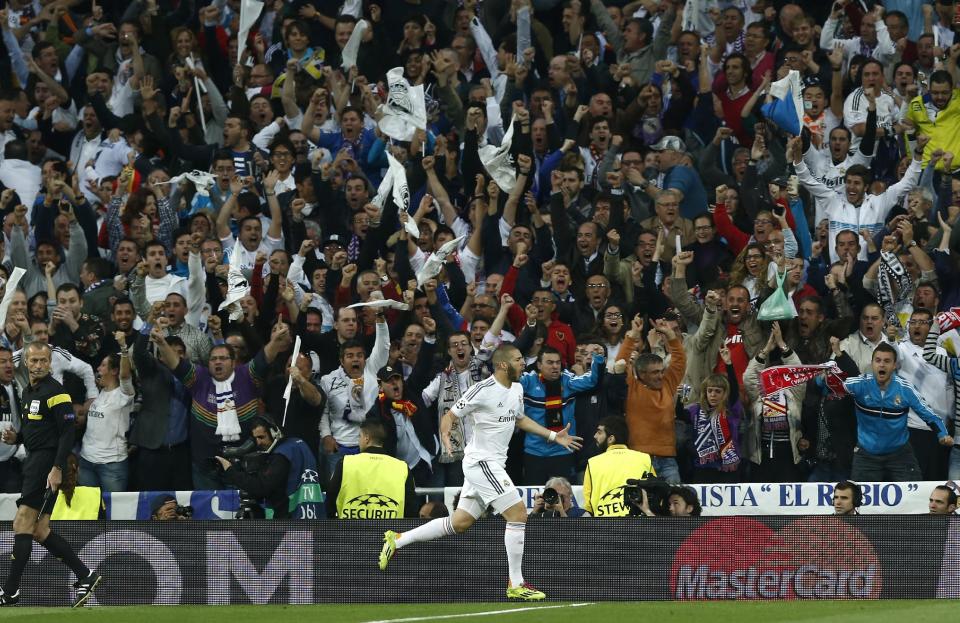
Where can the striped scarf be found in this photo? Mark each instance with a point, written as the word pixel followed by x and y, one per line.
pixel 892 273
pixel 714 440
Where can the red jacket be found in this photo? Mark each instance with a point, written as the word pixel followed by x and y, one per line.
pixel 559 334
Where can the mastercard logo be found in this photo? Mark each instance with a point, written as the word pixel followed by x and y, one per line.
pixel 810 558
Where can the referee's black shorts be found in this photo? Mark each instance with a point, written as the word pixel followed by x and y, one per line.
pixel 36 468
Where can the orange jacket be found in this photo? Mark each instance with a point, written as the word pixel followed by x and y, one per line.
pixel 650 413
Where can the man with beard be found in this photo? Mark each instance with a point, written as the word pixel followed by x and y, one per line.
pixel 883 400
pixel 725 320
pixel 929 381
pixel 495 406
pixel 351 390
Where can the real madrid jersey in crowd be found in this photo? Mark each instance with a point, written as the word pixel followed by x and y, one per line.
pixel 832 175
pixel 493 410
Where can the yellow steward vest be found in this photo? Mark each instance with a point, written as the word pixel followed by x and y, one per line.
pixel 373 487
pixel 609 473
pixel 84 505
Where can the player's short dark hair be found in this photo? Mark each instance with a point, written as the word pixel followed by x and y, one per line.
pixel 503 353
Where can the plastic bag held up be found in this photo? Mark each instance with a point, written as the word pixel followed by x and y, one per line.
pixel 778 305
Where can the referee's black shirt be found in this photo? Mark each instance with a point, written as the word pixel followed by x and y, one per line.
pixel 48 422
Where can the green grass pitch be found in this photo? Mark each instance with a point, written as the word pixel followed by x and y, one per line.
pixel 914 611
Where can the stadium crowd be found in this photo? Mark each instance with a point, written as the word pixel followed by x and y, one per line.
pixel 612 187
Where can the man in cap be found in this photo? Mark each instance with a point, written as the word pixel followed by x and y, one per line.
pixel 679 175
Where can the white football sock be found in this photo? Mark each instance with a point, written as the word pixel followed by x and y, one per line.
pixel 439 527
pixel 513 540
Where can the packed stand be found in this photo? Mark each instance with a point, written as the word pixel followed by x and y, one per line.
pixel 626 192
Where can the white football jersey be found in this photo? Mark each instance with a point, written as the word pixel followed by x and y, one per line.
pixel 492 411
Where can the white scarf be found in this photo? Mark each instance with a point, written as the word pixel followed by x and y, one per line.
pixel 228 426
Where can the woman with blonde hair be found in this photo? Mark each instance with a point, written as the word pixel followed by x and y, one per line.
pixel 715 427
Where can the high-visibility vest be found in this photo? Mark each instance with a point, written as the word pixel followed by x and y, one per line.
pixel 609 473
pixel 85 504
pixel 373 487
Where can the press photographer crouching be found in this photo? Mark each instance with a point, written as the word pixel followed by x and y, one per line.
pixel 276 475
pixel 556 500
pixel 164 507
pixel 654 497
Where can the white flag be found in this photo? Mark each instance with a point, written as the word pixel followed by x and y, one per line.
pixel 289 388
pixel 8 293
pixel 249 12
pixel 401 192
pixel 386 184
pixel 405 110
pixel 390 303
pixel 353 45
pixel 201 180
pixel 352 7
pixel 499 163
pixel 431 268
pixel 524 40
pixel 237 285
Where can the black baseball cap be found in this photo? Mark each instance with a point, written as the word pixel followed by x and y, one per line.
pixel 333 239
pixel 388 372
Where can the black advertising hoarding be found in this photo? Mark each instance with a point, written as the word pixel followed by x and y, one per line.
pixel 239 562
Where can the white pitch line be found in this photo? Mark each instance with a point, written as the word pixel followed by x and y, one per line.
pixel 481 614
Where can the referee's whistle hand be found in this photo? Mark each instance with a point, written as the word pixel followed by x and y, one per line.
pixel 54 478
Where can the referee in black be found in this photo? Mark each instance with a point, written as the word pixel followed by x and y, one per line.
pixel 47 433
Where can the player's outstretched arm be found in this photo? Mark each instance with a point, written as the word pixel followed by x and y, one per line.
pixel 563 437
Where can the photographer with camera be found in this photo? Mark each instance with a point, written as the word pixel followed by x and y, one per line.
pixel 652 497
pixel 164 507
pixel 282 472
pixel 607 473
pixel 556 500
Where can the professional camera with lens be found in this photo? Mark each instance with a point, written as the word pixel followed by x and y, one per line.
pixel 658 495
pixel 551 496
pixel 184 511
pixel 248 458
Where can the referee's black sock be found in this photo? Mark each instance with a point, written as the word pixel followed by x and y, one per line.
pixel 22 546
pixel 59 547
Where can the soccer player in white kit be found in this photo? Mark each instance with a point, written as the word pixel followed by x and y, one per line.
pixel 495 406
